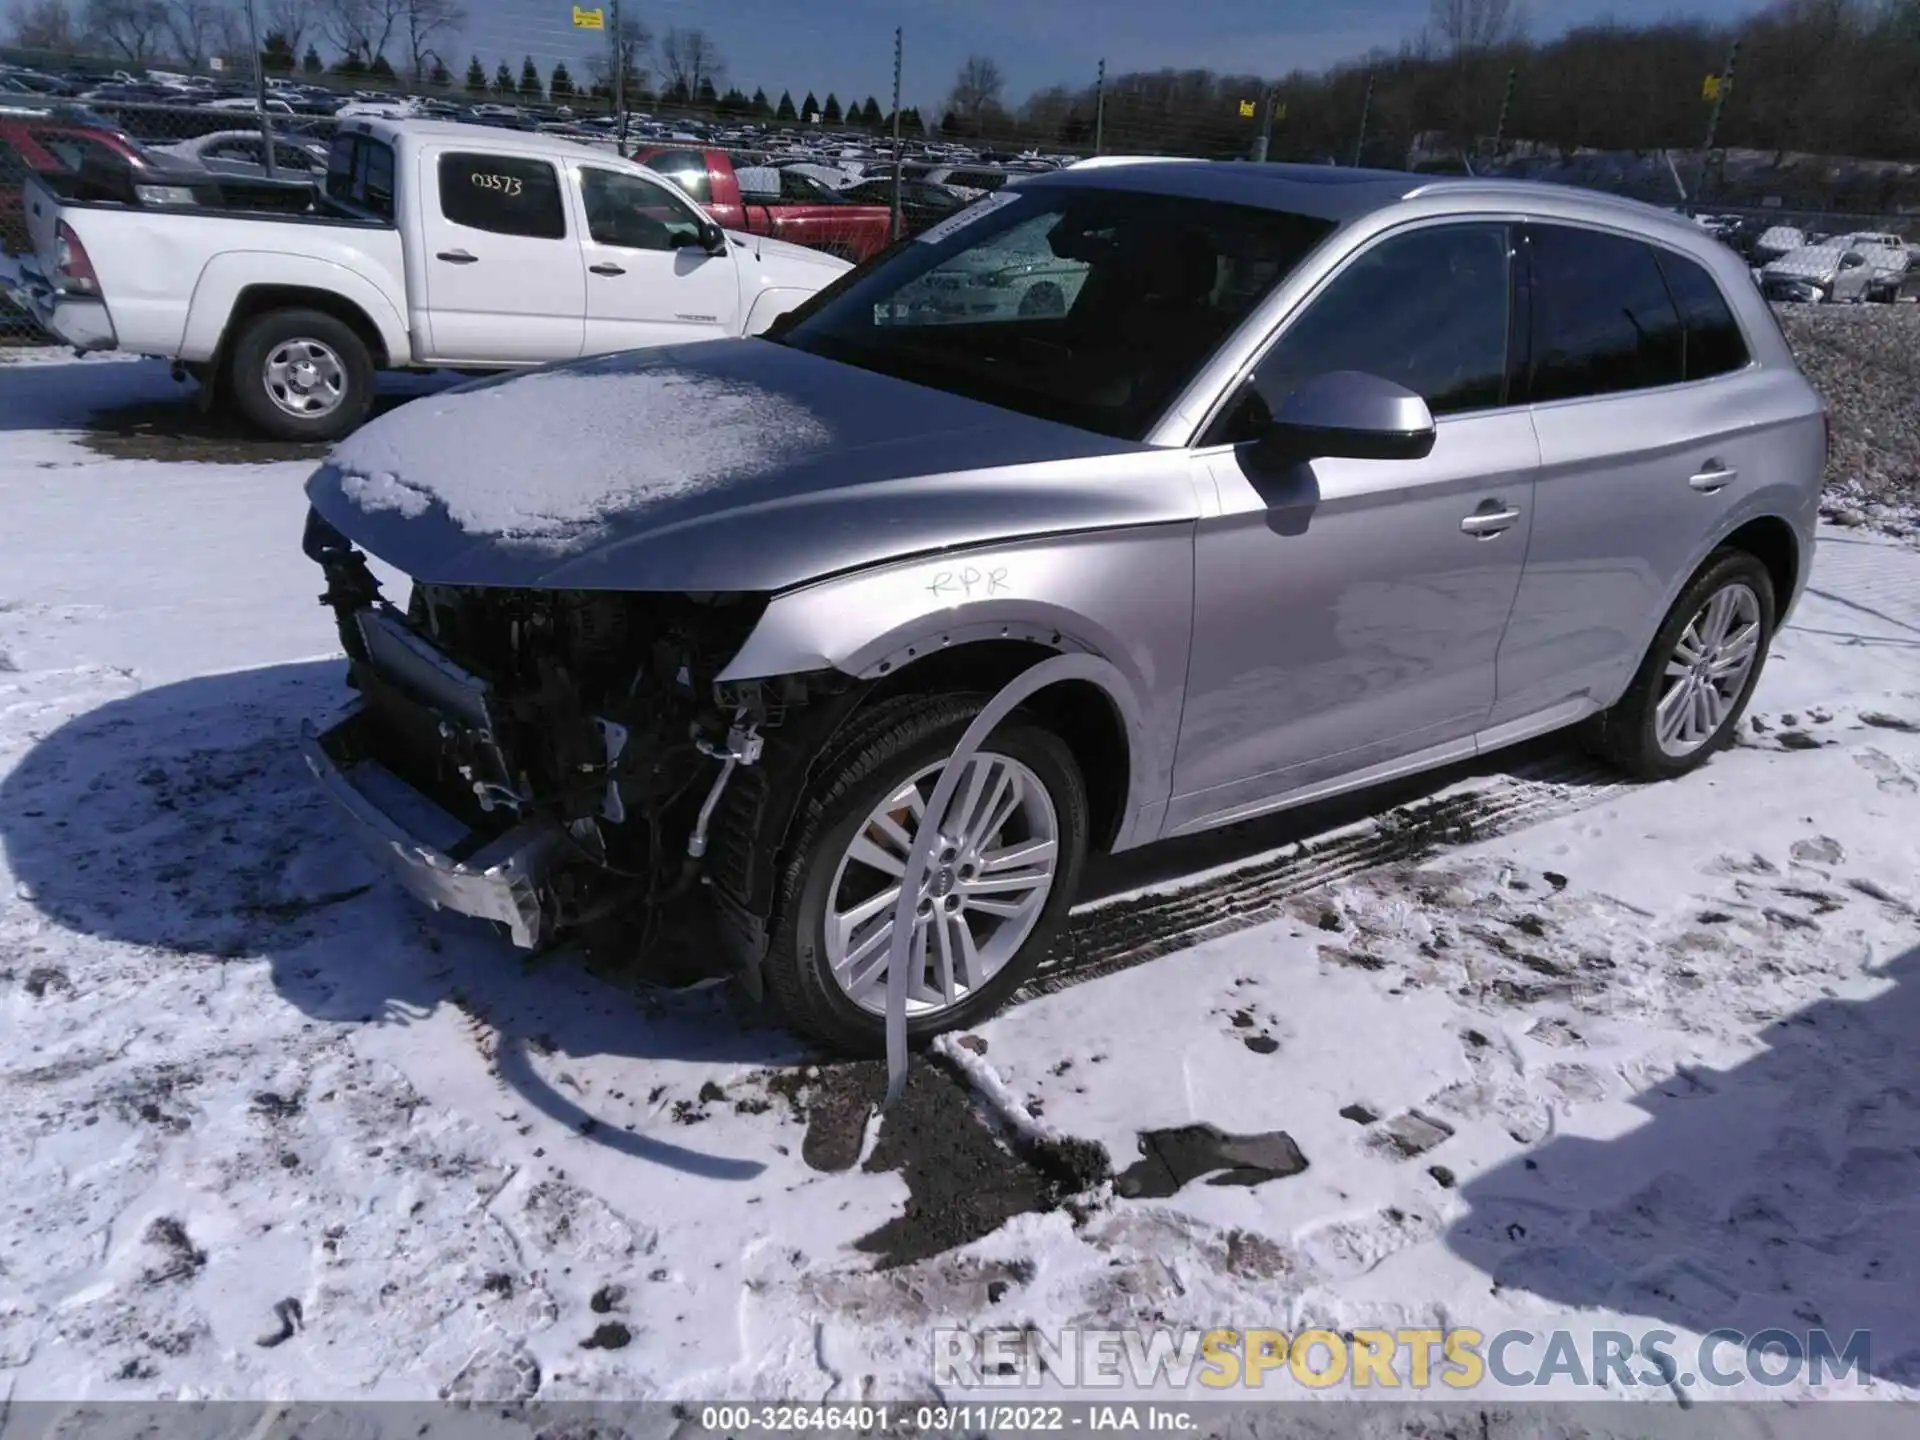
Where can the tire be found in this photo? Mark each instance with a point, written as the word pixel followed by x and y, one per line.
pixel 337 386
pixel 1629 734
pixel 898 742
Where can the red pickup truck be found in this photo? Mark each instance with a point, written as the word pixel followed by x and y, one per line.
pixel 801 209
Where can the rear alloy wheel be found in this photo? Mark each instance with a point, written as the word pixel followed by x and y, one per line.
pixel 301 375
pixel 1691 690
pixel 999 880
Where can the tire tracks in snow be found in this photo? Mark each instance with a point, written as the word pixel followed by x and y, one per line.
pixel 1106 936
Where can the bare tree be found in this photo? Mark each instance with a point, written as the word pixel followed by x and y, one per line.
pixel 427 24
pixel 43 25
pixel 690 58
pixel 1473 27
pixel 193 28
pixel 628 44
pixel 978 85
pixel 361 29
pixel 134 30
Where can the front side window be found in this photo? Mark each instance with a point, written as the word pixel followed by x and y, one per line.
pixel 1714 344
pixel 1089 306
pixel 1602 319
pixel 1428 310
pixel 635 214
pixel 502 194
pixel 688 170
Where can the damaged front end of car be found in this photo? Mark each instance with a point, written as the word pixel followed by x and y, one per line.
pixel 545 759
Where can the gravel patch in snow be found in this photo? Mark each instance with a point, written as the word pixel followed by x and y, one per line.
pixel 1865 359
pixel 550 455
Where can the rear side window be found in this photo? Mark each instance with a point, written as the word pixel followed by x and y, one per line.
pixel 1602 319
pixel 360 174
pixel 72 150
pixel 688 170
pixel 505 195
pixel 1714 344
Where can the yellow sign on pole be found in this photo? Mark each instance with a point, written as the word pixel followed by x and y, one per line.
pixel 1710 88
pixel 589 19
pixel 1246 109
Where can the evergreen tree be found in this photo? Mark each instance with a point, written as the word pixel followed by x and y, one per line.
pixel 476 77
pixel 762 108
pixel 810 108
pixel 785 112
pixel 351 66
pixel 707 98
pixel 439 76
pixel 312 64
pixel 382 68
pixel 502 79
pixel 560 86
pixel 870 114
pixel 832 114
pixel 276 54
pixel 678 94
pixel 530 86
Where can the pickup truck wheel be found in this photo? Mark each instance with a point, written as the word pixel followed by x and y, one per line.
pixel 1687 698
pixel 1002 878
pixel 301 375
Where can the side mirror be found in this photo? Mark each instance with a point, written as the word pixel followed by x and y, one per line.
pixel 713 239
pixel 1348 415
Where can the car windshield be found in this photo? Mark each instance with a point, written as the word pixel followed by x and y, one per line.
pixel 1089 306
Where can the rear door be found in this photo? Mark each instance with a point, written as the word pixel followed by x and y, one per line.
pixel 1648 440
pixel 504 278
pixel 650 280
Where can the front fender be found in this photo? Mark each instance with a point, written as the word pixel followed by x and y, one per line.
pixel 226 275
pixel 1123 597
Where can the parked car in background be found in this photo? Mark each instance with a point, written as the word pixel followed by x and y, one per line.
pixel 1837 271
pixel 243 152
pixel 921 204
pixel 1280 496
pixel 433 246
pixel 1775 241
pixel 804 215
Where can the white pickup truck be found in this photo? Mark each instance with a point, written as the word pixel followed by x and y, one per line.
pixel 430 246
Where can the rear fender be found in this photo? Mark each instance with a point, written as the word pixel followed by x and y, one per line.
pixel 227 275
pixel 1124 598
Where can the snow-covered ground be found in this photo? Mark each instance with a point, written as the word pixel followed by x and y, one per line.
pixel 1556 1052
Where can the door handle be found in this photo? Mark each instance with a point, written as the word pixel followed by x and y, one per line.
pixel 1715 477
pixel 606 268
pixel 1485 524
pixel 456 257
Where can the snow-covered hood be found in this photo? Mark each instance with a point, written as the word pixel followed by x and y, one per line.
pixel 724 465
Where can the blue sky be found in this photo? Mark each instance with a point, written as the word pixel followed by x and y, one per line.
pixel 846 45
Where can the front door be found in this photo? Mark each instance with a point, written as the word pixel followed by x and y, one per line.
pixel 504 280
pixel 1350 612
pixel 650 280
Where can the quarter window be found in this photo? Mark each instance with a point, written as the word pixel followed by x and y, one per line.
pixel 502 194
pixel 635 214
pixel 1427 310
pixel 1602 319
pixel 1714 344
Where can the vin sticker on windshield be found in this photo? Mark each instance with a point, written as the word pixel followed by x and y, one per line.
pixel 934 234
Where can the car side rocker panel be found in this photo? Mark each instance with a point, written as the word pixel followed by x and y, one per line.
pixel 1124 598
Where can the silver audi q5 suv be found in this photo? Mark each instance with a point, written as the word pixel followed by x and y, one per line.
pixel 867 631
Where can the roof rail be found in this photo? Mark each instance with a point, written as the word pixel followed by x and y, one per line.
pixel 1508 185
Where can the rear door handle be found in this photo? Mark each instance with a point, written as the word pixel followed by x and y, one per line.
pixel 1484 524
pixel 456 257
pixel 606 268
pixel 1715 477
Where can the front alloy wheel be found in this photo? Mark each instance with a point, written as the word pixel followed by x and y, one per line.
pixel 998 883
pixel 991 871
